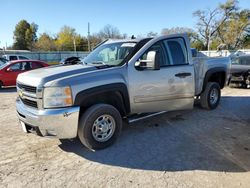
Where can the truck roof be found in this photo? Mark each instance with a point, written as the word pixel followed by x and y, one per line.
pixel 124 40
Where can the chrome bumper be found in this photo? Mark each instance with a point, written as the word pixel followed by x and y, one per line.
pixel 61 123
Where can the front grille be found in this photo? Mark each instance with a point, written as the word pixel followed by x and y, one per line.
pixel 27 88
pixel 29 103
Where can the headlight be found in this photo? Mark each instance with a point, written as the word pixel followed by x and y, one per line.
pixel 57 97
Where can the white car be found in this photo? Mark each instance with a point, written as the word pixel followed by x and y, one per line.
pixel 11 57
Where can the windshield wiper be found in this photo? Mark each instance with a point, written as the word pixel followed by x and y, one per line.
pixel 98 63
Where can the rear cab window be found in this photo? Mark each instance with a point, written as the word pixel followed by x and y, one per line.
pixel 176 48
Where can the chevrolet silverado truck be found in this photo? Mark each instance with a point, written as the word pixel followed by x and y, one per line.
pixel 119 80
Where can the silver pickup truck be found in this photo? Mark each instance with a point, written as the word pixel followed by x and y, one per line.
pixel 119 80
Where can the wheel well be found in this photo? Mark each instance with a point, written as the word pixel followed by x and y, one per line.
pixel 218 77
pixel 113 98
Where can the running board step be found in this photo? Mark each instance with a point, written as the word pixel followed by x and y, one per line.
pixel 139 117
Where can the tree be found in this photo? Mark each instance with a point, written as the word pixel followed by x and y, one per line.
pixel 152 34
pixel 94 40
pixel 110 32
pixel 175 30
pixel 45 43
pixel 25 35
pixel 246 41
pixel 68 39
pixel 209 21
pixel 235 30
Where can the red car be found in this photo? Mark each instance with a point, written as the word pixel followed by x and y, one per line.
pixel 9 71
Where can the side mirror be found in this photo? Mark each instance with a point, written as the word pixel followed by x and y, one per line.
pixel 150 62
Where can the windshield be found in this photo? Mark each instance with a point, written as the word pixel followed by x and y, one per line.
pixel 110 54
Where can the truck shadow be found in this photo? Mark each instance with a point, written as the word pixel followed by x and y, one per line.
pixel 8 90
pixel 169 143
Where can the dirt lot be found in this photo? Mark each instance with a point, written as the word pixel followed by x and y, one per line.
pixel 195 148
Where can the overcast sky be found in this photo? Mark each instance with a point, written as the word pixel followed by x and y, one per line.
pixel 129 16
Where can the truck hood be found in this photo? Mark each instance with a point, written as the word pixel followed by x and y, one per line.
pixel 43 75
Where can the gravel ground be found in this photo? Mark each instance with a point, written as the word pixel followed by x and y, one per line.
pixel 196 148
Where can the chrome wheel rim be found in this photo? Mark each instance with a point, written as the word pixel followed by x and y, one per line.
pixel 103 128
pixel 214 95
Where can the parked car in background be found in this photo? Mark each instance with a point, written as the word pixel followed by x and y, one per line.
pixel 10 70
pixel 70 61
pixel 13 57
pixel 240 71
pixel 3 61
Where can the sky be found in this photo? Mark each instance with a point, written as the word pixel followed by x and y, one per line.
pixel 129 16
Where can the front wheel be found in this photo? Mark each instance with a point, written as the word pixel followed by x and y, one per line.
pixel 99 126
pixel 210 97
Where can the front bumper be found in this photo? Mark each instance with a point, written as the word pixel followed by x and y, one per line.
pixel 61 123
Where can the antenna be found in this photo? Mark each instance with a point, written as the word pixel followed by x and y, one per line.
pixel 88 37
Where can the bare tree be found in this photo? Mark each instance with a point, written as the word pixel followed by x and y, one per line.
pixel 193 36
pixel 152 34
pixel 209 21
pixel 109 32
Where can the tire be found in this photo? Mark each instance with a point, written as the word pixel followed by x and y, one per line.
pixel 91 121
pixel 1 84
pixel 208 99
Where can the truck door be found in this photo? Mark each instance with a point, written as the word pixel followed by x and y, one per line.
pixel 167 89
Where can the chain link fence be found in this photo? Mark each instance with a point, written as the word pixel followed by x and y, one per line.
pixel 225 53
pixel 49 57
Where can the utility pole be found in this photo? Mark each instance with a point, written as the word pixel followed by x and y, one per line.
pixel 74 41
pixel 209 41
pixel 88 37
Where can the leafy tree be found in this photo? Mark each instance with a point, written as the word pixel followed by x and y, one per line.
pixel 209 21
pixel 235 30
pixel 45 43
pixel 25 35
pixel 246 41
pixel 68 39
pixel 198 45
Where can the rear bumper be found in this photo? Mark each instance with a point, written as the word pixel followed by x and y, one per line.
pixel 61 123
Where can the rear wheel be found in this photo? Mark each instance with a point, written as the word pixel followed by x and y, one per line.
pixel 99 126
pixel 210 97
pixel 1 84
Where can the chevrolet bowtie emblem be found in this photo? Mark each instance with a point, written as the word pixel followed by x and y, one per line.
pixel 21 93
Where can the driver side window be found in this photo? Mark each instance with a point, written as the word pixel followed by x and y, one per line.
pixel 161 56
pixel 16 67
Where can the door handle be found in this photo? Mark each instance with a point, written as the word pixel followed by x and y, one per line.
pixel 183 75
